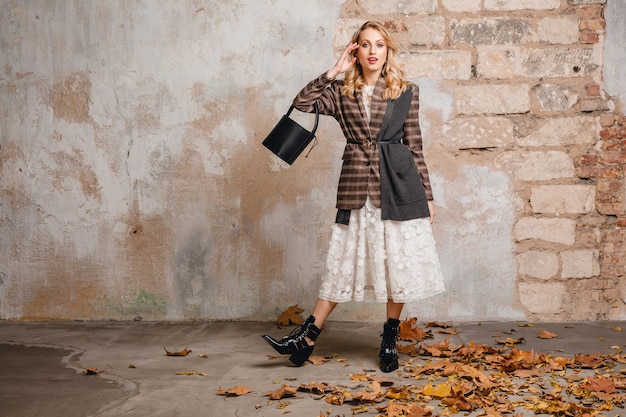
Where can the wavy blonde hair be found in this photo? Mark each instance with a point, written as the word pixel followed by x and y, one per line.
pixel 395 76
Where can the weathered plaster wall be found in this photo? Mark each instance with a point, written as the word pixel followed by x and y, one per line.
pixel 134 182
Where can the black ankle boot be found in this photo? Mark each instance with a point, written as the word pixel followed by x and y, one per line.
pixel 296 344
pixel 388 351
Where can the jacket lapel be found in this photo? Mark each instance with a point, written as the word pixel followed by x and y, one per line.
pixel 378 109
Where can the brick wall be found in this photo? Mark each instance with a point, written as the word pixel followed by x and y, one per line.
pixel 526 81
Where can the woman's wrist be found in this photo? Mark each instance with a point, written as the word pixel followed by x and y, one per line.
pixel 331 74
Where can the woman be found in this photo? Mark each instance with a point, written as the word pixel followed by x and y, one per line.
pixel 382 247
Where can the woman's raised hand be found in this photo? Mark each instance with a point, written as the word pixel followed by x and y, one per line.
pixel 345 61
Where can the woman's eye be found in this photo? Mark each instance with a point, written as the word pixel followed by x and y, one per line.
pixel 380 45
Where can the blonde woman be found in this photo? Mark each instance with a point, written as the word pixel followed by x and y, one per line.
pixel 382 247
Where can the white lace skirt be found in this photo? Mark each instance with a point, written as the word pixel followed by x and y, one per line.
pixel 375 260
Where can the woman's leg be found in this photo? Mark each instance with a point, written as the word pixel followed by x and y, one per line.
pixel 322 310
pixel 394 309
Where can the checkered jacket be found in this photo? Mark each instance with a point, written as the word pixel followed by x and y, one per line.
pixel 360 174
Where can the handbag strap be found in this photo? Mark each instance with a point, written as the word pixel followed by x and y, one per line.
pixel 317 117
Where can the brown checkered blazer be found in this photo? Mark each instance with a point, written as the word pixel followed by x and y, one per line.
pixel 360 174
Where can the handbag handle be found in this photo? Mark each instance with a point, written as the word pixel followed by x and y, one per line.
pixel 317 117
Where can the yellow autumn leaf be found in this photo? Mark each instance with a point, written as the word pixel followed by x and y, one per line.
pixel 440 391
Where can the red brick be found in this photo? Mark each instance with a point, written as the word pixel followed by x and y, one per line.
pixel 589 12
pixel 592 24
pixel 587 238
pixel 610 186
pixel 610 158
pixel 611 270
pixel 587 160
pixel 600 172
pixel 610 208
pixel 615 247
pixel 610 145
pixel 592 90
pixel 614 235
pixel 587 37
pixel 623 144
pixel 613 133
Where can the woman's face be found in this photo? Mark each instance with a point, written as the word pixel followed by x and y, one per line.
pixel 372 52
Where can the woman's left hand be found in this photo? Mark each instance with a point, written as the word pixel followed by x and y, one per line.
pixel 431 208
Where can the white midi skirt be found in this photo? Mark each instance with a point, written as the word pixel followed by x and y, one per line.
pixel 378 260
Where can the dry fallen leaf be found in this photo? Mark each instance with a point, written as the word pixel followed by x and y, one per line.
pixel 373 393
pixel 448 331
pixel 130 365
pixel 92 371
pixel 598 385
pixel 234 391
pixel 410 331
pixel 291 316
pixel 318 360
pixel 511 342
pixel 284 391
pixel 498 381
pixel 315 388
pixel 544 334
pixel 183 352
pixel 191 373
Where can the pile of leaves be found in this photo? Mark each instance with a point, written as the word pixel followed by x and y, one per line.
pixel 491 381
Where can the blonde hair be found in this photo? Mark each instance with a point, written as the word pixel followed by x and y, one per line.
pixel 395 76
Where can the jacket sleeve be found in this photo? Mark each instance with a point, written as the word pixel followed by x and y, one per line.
pixel 413 137
pixel 323 91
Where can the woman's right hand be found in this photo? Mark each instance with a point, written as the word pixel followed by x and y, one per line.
pixel 345 61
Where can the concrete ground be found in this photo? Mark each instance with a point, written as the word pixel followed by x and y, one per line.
pixel 42 366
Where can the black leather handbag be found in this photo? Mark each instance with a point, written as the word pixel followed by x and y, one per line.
pixel 288 139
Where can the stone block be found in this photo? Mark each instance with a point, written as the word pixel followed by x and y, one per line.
pixel 492 31
pixel 478 133
pixel 543 297
pixel 558 62
pixel 522 4
pixel 553 97
pixel 538 264
pixel 558 30
pixel 447 65
pixel 554 230
pixel 427 30
pixel 492 99
pixel 563 199
pixel 497 62
pixel 381 7
pixel 538 165
pixel 580 263
pixel 462 5
pixel 575 130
